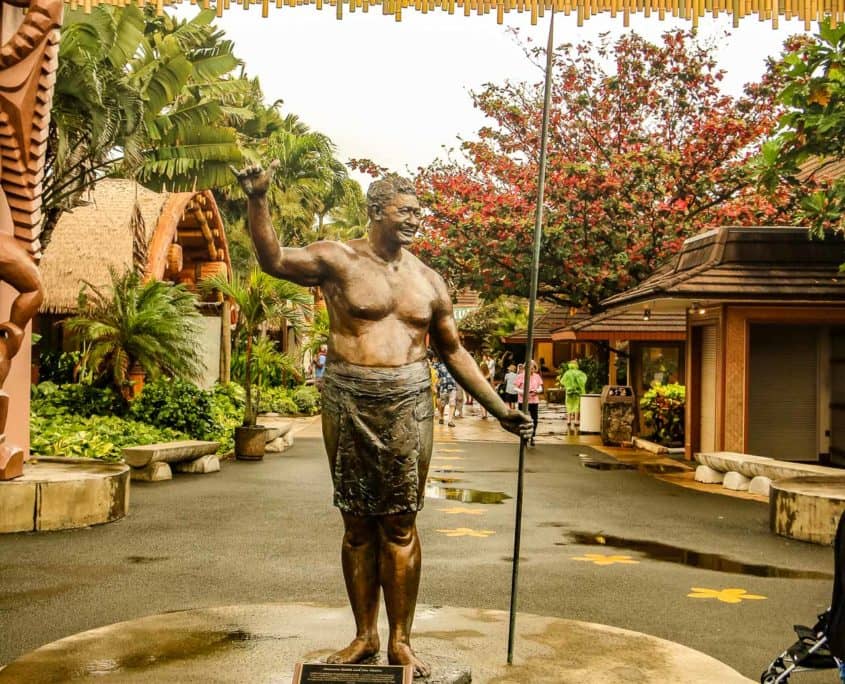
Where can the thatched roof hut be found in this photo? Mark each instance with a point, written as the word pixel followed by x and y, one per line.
pixel 169 236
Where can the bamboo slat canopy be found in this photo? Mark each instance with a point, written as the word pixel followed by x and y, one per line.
pixel 807 11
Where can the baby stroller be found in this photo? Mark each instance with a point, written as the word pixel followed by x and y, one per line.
pixel 822 646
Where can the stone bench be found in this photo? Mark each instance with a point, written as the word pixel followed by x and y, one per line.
pixel 279 432
pixel 152 462
pixel 807 508
pixel 755 473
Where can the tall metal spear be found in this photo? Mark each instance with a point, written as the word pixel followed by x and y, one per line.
pixel 532 303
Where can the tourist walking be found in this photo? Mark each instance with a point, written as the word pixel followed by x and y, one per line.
pixel 491 364
pixel 446 394
pixel 574 382
pixel 509 394
pixel 535 389
pixel 320 366
pixel 488 376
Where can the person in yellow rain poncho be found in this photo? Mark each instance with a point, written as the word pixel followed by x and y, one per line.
pixel 575 383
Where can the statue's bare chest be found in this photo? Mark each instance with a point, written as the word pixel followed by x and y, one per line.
pixel 370 292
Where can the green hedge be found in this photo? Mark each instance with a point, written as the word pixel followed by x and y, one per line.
pixel 79 399
pixel 290 402
pixel 100 437
pixel 78 420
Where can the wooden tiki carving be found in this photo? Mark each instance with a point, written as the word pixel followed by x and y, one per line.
pixel 28 63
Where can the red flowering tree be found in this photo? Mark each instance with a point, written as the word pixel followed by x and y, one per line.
pixel 644 150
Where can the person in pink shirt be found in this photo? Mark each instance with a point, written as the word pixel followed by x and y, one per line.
pixel 535 389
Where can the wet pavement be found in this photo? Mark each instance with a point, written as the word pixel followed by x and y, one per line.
pixel 262 643
pixel 679 564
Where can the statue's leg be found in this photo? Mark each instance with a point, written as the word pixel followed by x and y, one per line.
pixel 399 567
pixel 360 558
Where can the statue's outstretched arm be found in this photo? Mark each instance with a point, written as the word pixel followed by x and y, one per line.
pixel 306 266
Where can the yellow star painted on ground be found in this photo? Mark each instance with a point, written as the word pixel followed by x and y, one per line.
pixel 467 532
pixel 455 510
pixel 449 458
pixel 725 595
pixel 604 559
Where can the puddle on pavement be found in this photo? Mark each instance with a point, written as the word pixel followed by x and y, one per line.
pixel 612 464
pixel 696 559
pixel 143 560
pixel 105 661
pixel 435 491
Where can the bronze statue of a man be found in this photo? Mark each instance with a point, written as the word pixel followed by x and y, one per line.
pixel 377 403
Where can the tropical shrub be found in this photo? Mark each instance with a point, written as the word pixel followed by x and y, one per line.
pixel 80 399
pixel 175 404
pixel 153 324
pixel 278 400
pixel 260 299
pixel 270 367
pixel 227 410
pixel 100 437
pixel 58 367
pixel 663 410
pixel 307 399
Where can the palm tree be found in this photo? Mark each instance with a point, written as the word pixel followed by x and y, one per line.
pixel 308 180
pixel 147 97
pixel 260 299
pixel 348 219
pixel 153 324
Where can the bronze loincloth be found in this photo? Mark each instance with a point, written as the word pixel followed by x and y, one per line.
pixel 378 427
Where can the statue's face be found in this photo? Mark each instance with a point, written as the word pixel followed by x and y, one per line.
pixel 401 216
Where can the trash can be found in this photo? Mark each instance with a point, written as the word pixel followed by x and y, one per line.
pixel 590 413
pixel 617 414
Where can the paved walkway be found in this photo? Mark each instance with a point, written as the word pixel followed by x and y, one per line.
pixel 614 547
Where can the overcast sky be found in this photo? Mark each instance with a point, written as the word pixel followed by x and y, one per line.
pixel 398 93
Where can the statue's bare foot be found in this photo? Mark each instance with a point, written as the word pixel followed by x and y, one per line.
pixel 401 654
pixel 358 650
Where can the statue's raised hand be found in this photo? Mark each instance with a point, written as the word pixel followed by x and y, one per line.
pixel 254 179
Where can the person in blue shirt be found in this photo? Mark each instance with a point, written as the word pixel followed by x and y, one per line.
pixel 447 391
pixel 320 365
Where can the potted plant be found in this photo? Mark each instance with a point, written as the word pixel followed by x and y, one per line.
pixel 259 299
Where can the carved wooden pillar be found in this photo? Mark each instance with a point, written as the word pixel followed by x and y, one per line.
pixel 28 63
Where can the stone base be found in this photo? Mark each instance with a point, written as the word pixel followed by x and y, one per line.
pixel 158 471
pixel 760 485
pixel 707 475
pixel 205 464
pixel 62 494
pixel 736 481
pixel 275 446
pixel 262 643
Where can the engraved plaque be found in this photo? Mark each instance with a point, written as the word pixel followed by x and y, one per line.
pixel 325 673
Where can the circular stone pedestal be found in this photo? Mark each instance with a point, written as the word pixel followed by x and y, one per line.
pixel 261 643
pixel 61 494
pixel 807 508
